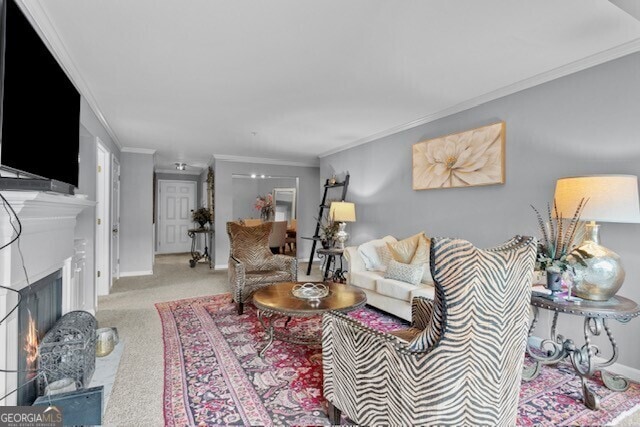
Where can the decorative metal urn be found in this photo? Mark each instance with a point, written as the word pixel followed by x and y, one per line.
pixel 603 275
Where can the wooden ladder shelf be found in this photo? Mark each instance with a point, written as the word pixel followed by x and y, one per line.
pixel 323 205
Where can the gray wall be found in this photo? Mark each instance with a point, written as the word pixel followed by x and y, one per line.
pixel 585 123
pixel 90 128
pixel 244 193
pixel 136 213
pixel 308 200
pixel 90 121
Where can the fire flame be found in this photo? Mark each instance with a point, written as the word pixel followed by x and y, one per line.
pixel 31 345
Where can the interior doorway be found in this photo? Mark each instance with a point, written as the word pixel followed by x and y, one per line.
pixel 176 200
pixel 103 214
pixel 283 192
pixel 115 219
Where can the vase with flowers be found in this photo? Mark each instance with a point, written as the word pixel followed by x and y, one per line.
pixel 264 205
pixel 557 248
pixel 202 216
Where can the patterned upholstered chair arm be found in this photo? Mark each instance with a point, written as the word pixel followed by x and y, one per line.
pixel 358 361
pixel 283 263
pixel 421 312
pixel 236 274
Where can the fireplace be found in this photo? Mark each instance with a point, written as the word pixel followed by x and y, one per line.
pixel 48 231
pixel 40 308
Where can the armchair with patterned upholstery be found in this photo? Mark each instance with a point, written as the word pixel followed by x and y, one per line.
pixel 251 263
pixel 460 362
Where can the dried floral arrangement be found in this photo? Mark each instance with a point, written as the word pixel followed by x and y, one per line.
pixel 328 228
pixel 558 248
pixel 201 216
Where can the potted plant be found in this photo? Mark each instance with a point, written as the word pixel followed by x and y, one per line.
pixel 557 249
pixel 201 215
pixel 328 230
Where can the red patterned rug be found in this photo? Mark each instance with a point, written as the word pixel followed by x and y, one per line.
pixel 214 376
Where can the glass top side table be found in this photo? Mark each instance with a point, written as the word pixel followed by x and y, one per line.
pixel 557 347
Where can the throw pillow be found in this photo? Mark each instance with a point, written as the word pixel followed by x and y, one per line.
pixel 422 256
pixel 369 253
pixel 404 272
pixel 385 257
pixel 404 250
pixel 250 245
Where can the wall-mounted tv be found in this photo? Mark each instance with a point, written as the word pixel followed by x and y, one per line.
pixel 40 109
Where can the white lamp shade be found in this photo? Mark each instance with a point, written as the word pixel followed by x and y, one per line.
pixel 609 198
pixel 342 212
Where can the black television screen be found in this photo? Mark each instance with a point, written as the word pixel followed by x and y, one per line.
pixel 40 110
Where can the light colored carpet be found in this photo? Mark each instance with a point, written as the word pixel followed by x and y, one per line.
pixel 136 399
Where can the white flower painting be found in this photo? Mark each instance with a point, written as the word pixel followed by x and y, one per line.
pixel 465 159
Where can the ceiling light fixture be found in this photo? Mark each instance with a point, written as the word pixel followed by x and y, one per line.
pixel 181 166
pixel 253 175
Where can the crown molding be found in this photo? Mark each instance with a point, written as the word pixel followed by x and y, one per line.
pixel 177 172
pixel 266 161
pixel 137 150
pixel 40 21
pixel 573 67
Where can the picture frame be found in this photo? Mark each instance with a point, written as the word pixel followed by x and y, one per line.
pixel 475 157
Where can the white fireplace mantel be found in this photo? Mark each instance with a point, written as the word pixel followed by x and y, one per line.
pixel 47 243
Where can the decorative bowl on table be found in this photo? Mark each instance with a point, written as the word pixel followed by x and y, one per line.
pixel 310 291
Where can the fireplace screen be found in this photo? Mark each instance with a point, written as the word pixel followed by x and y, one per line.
pixel 68 350
pixel 40 308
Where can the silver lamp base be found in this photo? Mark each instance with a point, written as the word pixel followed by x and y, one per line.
pixel 341 236
pixel 603 276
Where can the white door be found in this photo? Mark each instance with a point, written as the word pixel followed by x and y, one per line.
pixel 115 219
pixel 176 200
pixel 103 222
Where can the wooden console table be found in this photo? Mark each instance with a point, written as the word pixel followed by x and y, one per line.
pixel 557 347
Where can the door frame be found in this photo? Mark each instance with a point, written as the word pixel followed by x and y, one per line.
pixel 103 220
pixel 159 218
pixel 115 219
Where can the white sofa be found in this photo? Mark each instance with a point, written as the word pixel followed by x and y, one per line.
pixel 392 296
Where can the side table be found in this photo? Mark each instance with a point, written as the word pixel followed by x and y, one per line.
pixel 208 243
pixel 557 347
pixel 329 255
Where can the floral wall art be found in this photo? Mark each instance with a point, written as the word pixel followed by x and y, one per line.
pixel 466 159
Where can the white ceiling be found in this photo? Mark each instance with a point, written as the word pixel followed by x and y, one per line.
pixel 293 79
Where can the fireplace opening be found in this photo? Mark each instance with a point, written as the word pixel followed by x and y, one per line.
pixel 40 308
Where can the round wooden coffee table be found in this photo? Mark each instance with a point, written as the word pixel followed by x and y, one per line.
pixel 278 300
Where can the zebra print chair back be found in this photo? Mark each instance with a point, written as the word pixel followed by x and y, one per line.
pixel 464 368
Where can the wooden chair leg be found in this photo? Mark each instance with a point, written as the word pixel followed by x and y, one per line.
pixel 334 414
pixel 240 308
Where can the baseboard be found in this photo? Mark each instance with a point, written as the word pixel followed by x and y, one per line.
pixel 307 259
pixel 220 267
pixel 631 373
pixel 136 273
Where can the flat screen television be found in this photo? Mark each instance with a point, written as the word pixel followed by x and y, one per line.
pixel 40 109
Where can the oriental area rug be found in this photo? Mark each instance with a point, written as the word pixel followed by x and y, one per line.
pixel 214 375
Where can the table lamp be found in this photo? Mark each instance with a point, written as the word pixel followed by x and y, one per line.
pixel 609 198
pixel 342 212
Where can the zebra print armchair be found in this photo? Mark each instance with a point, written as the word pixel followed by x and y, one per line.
pixel 251 263
pixel 463 365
